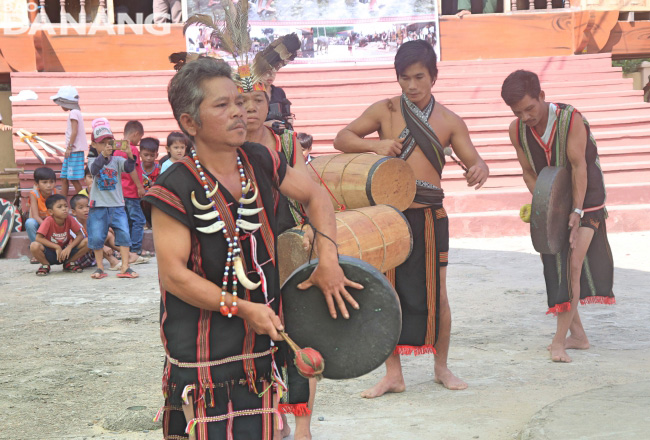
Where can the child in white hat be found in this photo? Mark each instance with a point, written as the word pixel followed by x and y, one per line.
pixel 75 139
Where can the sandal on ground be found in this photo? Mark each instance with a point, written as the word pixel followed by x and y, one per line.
pixel 33 261
pixel 43 270
pixel 117 266
pixel 98 274
pixel 73 267
pixel 140 260
pixel 148 254
pixel 130 273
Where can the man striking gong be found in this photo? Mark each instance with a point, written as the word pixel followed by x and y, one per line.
pixel 214 229
pixel 549 134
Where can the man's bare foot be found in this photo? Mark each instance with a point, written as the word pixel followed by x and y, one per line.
pixel 573 343
pixel 302 435
pixel 559 354
pixel 385 385
pixel 446 378
pixel 303 428
pixel 279 434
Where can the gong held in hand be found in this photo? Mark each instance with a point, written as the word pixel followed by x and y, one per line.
pixel 549 218
pixel 350 347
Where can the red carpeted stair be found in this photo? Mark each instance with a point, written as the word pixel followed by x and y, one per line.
pixel 326 98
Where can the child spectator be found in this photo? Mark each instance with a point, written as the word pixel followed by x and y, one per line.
pixel 44 182
pixel 150 171
pixel 305 142
pixel 107 201
pixel 79 208
pixel 148 154
pixel 88 181
pixel 75 139
pixel 177 147
pixel 54 243
pixel 134 190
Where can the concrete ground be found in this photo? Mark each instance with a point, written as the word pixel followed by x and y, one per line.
pixel 82 358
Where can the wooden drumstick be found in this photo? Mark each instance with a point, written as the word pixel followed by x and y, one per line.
pixel 449 152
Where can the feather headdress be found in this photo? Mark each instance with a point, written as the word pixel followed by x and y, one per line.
pixel 233 34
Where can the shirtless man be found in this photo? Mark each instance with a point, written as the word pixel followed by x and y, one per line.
pixel 426 317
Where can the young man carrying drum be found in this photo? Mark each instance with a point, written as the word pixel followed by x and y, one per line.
pixel 415 128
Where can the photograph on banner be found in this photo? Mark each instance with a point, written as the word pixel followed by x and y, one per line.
pixel 310 10
pixel 374 41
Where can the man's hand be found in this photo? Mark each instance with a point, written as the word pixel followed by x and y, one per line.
pixel 64 254
pixel 389 147
pixel 5 127
pixel 141 191
pixel 574 225
pixel 477 175
pixel 332 282
pixel 261 318
pixel 68 151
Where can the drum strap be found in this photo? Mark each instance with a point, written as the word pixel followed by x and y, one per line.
pixel 419 131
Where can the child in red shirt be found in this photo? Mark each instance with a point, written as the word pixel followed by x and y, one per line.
pixel 54 243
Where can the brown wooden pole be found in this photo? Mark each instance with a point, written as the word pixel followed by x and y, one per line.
pixel 32 10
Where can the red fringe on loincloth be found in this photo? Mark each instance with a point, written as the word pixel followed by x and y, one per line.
pixel 407 350
pixel 297 409
pixel 565 307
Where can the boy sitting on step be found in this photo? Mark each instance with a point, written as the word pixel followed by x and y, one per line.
pixel 54 243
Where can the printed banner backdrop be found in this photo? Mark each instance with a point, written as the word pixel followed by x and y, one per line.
pixel 13 12
pixel 330 30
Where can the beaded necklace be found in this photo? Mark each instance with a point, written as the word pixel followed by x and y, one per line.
pixel 234 249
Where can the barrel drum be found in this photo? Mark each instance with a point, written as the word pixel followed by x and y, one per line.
pixel 379 235
pixel 365 179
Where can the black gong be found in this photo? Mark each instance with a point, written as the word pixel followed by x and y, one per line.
pixel 351 347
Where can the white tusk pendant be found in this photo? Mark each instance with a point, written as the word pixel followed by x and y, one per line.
pixel 248 186
pixel 208 215
pixel 248 226
pixel 200 206
pixel 248 211
pixel 245 201
pixel 214 191
pixel 241 275
pixel 214 227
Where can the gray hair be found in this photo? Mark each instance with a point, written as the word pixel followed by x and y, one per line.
pixel 185 91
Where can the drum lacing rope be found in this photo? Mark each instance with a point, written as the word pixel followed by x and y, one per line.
pixel 307 222
pixel 341 206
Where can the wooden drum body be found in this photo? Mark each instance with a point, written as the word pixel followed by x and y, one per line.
pixel 365 179
pixel 379 235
